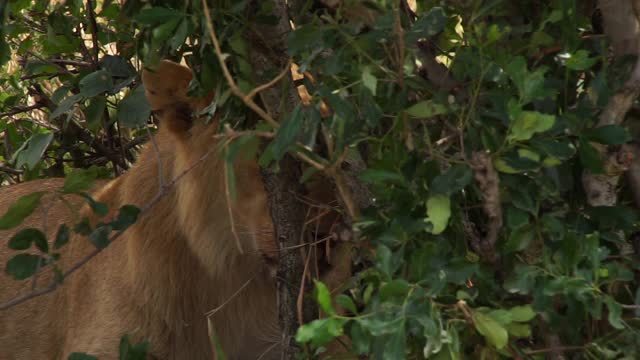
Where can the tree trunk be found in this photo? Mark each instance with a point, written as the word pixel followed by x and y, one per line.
pixel 268 57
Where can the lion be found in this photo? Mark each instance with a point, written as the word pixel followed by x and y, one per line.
pixel 192 252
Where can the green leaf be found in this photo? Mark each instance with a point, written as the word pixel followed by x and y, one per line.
pixel 379 176
pixel 22 266
pixel 428 25
pixel 516 217
pixel 81 356
pixel 99 208
pixel 608 135
pixel 162 32
pixel 529 123
pixel 397 288
pixel 347 303
pixel 453 180
pixel 528 154
pixel 99 237
pixel 96 83
pixel 495 333
pixel 438 212
pixel 530 85
pixel 360 339
pixel 503 167
pixel 615 313
pixel 320 331
pixel 562 149
pixel 523 313
pixel 118 67
pixel 590 157
pixel 427 109
pixel 179 35
pixel 66 105
pixel 134 110
pixel 396 344
pixel 287 133
pixel 19 210
pixel 127 216
pixel 157 15
pixel 34 148
pixel 62 236
pixel 580 61
pixel 519 330
pixel 305 37
pixel 83 227
pixel 520 239
pixel 94 111
pixel 79 180
pixel 503 317
pixel 60 93
pixel 323 297
pixel 23 239
pixel 129 351
pixel 369 80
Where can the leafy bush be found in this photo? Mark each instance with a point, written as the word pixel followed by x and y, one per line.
pixel 477 122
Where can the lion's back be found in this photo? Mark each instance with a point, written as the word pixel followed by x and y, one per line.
pixel 33 322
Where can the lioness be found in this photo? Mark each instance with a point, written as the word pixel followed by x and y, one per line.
pixel 179 261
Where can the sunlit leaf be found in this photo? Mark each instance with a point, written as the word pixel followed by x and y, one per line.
pixel 438 212
pixel 495 333
pixel 19 210
pixel 427 109
pixel 323 297
pixel 528 124
pixel 369 80
pixel 523 313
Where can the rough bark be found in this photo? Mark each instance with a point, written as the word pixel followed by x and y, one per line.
pixel 622 28
pixel 268 56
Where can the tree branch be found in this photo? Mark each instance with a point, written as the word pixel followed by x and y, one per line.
pixel 93 25
pixel 601 189
pixel 489 183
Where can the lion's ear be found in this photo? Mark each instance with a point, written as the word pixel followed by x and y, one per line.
pixel 165 87
pixel 166 84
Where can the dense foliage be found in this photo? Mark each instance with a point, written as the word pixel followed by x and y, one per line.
pixel 476 123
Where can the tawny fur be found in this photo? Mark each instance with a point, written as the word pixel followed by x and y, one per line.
pixel 179 261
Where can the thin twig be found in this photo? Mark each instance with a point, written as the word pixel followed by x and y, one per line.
pixel 78 63
pixel 274 81
pixel 246 99
pixel 21 109
pixel 555 349
pixel 227 74
pixel 212 312
pixel 300 300
pixel 93 25
pixel 9 170
pixel 267 350
pixel 400 47
pixel 227 193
